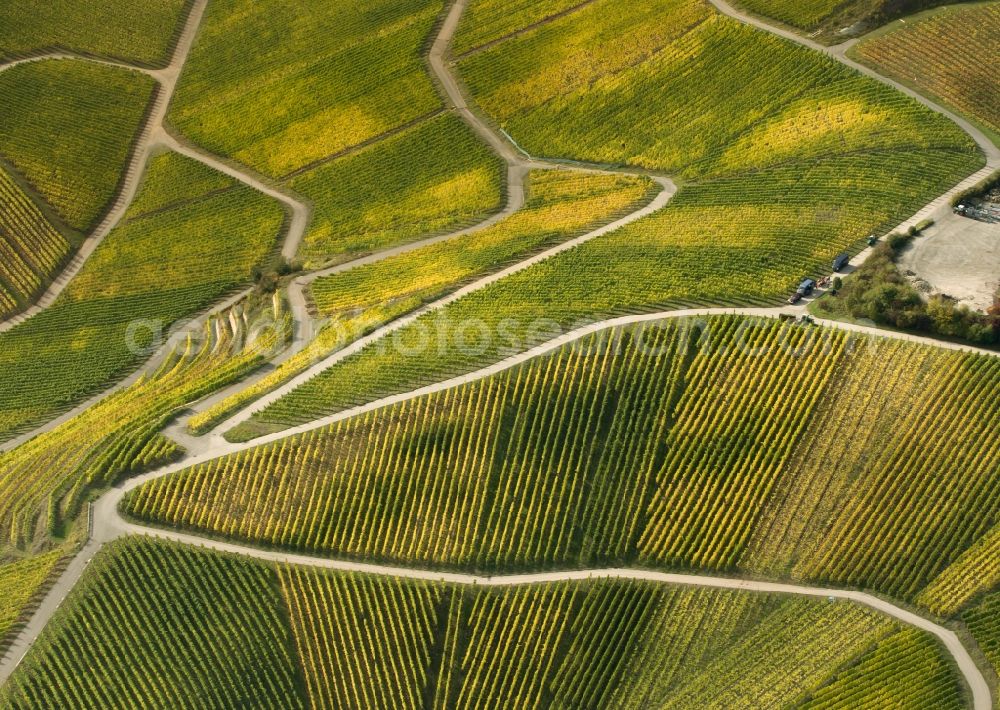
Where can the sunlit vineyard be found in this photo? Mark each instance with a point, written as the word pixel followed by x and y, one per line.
pixel 569 89
pixel 975 571
pixel 68 127
pixel 746 240
pixel 434 177
pixel 752 451
pixel 804 14
pixel 150 272
pixel 156 625
pixel 279 87
pixel 130 30
pixel 20 581
pixel 947 55
pixel 492 474
pixel 363 642
pixel 795 165
pixel 221 631
pixel 486 21
pixel 560 205
pixel 906 669
pixel 44 482
pixel 31 248
pixel 875 491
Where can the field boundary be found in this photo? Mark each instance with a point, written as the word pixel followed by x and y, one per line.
pixel 108 523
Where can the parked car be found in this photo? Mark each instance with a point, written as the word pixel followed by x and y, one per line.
pixel 806 287
pixel 842 260
pixel 795 298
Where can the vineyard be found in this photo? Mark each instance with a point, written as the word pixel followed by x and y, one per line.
pixel 44 482
pixel 815 167
pixel 434 177
pixel 20 580
pixel 364 642
pixel 740 510
pixel 804 14
pixel 904 670
pixel 976 570
pixel 68 127
pixel 128 30
pixel 568 88
pixel 277 87
pixel 150 272
pixel 983 621
pixel 559 205
pixel 946 55
pixel 487 21
pixel 638 444
pixel 492 474
pixel 158 626
pixel 31 248
pixel 221 631
pixel 739 241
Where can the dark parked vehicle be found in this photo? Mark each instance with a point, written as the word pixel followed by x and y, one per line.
pixel 806 287
pixel 795 298
pixel 841 261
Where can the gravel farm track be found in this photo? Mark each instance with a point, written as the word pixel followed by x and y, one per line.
pixel 106 523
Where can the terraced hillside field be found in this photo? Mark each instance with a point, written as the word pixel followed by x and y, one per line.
pixel 151 271
pixel 128 30
pixel 31 248
pixel 434 177
pixel 834 21
pixel 945 54
pixel 307 81
pixel 68 127
pixel 221 631
pixel 560 205
pixel 786 168
pixel 44 481
pixel 734 445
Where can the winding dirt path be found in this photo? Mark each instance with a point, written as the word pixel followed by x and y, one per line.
pixel 107 524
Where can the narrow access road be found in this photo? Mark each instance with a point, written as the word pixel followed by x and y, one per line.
pixel 45 56
pixel 658 203
pixel 300 212
pixel 108 525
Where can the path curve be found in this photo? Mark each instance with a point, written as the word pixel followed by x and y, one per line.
pixel 45 56
pixel 107 523
pixel 149 135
